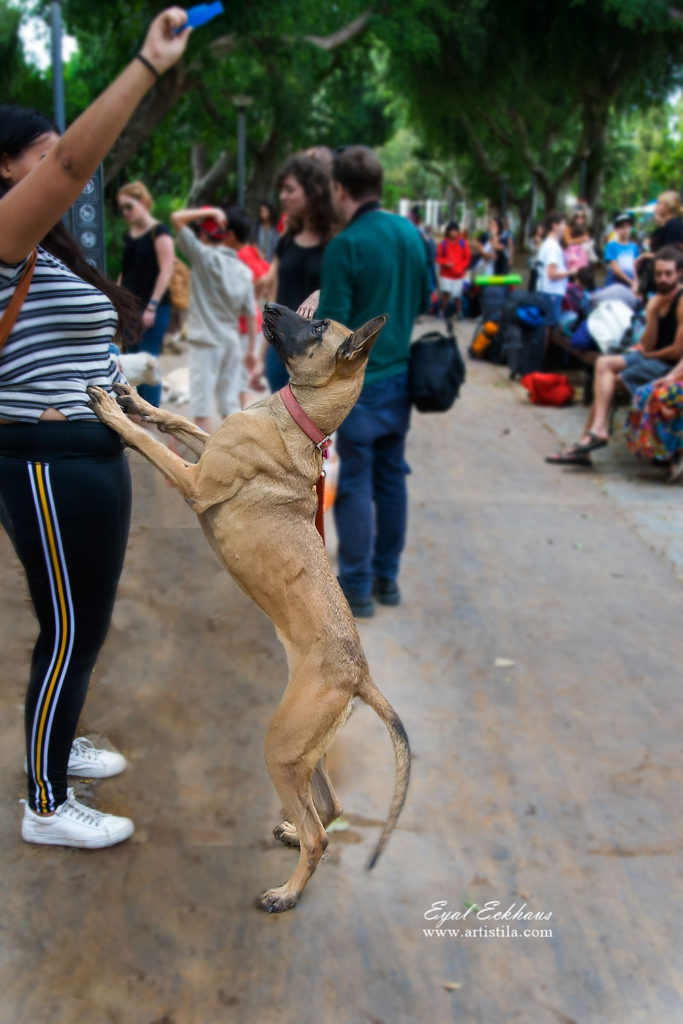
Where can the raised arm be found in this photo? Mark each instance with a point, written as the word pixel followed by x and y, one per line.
pixel 35 204
pixel 181 218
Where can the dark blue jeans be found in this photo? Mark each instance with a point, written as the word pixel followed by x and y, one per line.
pixel 151 341
pixel 371 508
pixel 276 373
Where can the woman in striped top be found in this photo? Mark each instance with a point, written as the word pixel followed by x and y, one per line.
pixel 64 483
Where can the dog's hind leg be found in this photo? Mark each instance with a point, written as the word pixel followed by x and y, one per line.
pixel 297 738
pixel 168 422
pixel 326 804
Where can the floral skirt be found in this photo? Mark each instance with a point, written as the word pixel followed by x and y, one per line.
pixel 654 428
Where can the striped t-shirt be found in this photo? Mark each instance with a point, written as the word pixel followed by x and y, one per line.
pixel 58 345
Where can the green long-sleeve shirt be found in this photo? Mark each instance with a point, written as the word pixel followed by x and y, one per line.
pixel 377 264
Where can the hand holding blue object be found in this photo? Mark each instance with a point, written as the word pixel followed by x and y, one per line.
pixel 200 14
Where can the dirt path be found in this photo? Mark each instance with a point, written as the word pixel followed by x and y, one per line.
pixel 536 665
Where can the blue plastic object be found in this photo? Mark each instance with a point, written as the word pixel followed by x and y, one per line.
pixel 531 316
pixel 200 14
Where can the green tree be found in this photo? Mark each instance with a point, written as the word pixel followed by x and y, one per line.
pixel 309 81
pixel 513 91
pixel 20 82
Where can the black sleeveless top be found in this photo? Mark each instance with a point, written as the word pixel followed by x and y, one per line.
pixel 140 267
pixel 668 325
pixel 299 271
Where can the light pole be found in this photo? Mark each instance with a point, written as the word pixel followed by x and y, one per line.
pixel 504 195
pixel 57 73
pixel 85 219
pixel 241 104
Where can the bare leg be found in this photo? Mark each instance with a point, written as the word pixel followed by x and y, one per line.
pixel 203 423
pixel 607 369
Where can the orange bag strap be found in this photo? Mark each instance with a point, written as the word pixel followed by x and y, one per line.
pixel 9 317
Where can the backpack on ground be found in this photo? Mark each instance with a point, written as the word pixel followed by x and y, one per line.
pixel 436 372
pixel 523 330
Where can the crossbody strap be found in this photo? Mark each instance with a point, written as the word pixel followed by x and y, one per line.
pixel 9 317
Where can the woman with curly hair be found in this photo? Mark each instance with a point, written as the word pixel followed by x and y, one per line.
pixel 306 200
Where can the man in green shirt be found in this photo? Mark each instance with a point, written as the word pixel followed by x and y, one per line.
pixel 377 264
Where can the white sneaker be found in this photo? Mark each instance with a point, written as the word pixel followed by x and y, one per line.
pixel 74 824
pixel 87 762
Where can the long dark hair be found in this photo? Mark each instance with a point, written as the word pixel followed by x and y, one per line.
pixel 19 127
pixel 315 182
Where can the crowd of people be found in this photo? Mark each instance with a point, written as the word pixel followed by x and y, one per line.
pixel 639 290
pixel 644 355
pixel 334 253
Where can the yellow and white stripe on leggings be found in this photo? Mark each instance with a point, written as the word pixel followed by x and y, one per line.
pixel 39 474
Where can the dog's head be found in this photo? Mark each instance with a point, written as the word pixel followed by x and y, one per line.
pixel 315 351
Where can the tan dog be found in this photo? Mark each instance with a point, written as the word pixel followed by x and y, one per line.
pixel 253 490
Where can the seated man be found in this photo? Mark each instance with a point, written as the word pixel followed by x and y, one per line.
pixel 661 347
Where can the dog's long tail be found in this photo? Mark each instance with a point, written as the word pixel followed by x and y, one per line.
pixel 378 702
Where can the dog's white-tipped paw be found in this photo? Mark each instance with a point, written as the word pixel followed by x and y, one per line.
pixel 286 833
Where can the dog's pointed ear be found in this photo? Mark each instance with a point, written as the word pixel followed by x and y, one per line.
pixel 361 341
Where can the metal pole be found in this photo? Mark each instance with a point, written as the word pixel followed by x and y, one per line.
pixel 241 155
pixel 532 207
pixel 57 74
pixel 582 180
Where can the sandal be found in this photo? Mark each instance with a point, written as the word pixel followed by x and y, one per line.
pixel 590 446
pixel 570 457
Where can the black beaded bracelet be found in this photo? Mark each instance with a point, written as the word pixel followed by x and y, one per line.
pixel 148 64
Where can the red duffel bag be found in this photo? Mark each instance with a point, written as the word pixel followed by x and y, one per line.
pixel 548 388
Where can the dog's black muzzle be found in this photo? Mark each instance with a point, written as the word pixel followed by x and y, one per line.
pixel 290 334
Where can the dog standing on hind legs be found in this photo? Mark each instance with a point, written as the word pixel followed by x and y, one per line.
pixel 254 492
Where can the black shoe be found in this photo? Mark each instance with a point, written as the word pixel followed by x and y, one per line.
pixel 386 591
pixel 361 607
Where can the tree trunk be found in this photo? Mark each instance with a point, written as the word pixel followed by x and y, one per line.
pixel 264 169
pixel 206 184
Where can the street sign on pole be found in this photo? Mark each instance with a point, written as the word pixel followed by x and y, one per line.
pixel 87 225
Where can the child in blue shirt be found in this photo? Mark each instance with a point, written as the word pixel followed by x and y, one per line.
pixel 621 253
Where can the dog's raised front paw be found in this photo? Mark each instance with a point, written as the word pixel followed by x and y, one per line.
pixel 276 901
pixel 286 833
pixel 131 402
pixel 106 407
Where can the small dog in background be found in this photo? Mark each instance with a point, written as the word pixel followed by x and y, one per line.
pixel 139 367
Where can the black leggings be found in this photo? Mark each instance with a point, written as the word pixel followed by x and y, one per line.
pixel 65 497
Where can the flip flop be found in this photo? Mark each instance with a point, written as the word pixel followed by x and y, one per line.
pixel 572 457
pixel 592 445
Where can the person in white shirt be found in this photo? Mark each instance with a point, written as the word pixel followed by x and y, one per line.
pixel 221 290
pixel 553 273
